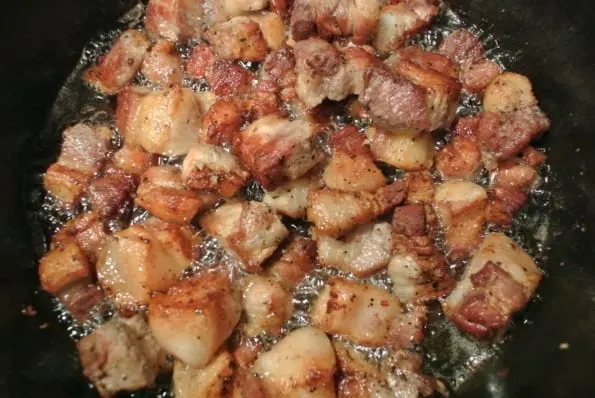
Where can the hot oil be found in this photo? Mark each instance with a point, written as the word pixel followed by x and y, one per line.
pixel 449 354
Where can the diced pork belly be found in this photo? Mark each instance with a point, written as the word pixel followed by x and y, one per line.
pixel 128 105
pixel 363 252
pixel 277 71
pixel 205 382
pixel 167 122
pixel 211 168
pixel 141 259
pixel 238 39
pixel 295 261
pixel 459 159
pixel 83 153
pixel 409 150
pixel 272 28
pixel 421 188
pixel 228 79
pixel 351 167
pixel 250 230
pixel 200 61
pixel 274 149
pixel 133 160
pixel 499 280
pixel 164 195
pixel 409 220
pixel 234 8
pixel 247 385
pixel 121 355
pixel 266 304
pixel 302 364
pixel 193 319
pixel 87 230
pixel 162 65
pixel 334 213
pixel 63 266
pixel 117 68
pixel 222 122
pixel 174 19
pixel 291 198
pixel 461 206
pixel 111 192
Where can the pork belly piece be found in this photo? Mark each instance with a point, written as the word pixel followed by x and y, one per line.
pixel 133 160
pixel 162 65
pixel 351 167
pixel 211 168
pixel 111 192
pixel 234 8
pixel 200 61
pixel 167 122
pixel 83 153
pixel 363 251
pixel 296 260
pixel 461 206
pixel 398 22
pixel 512 117
pixel 421 188
pixel 277 72
pixel 238 39
pixel 205 382
pixel 121 355
pixel 464 48
pixel 227 78
pixel 174 19
pixel 272 28
pixel 247 385
pixel 406 149
pixel 196 315
pixel 301 23
pixel 291 198
pixel 164 195
pixel 87 230
pixel 499 280
pixel 117 68
pixel 302 364
pixel 266 304
pixel 459 159
pixel 127 107
pixel 274 149
pixel 249 230
pixel 141 259
pixel 361 313
pixel 409 220
pixel 405 376
pixel 334 213
pixel 222 122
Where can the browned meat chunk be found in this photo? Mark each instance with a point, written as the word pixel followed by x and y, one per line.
pixel 296 260
pixel 408 149
pixel 111 193
pixel 133 160
pixel 63 266
pixel 228 79
pixel 163 65
pixel 222 122
pixel 208 381
pixel 291 198
pixel 87 230
pixel 200 61
pixel 174 19
pixel 460 158
pixel 238 39
pixel 421 188
pixel 267 305
pixel 277 72
pixel 409 220
pixel 128 105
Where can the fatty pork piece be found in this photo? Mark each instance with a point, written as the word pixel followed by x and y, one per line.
pixel 302 364
pixel 459 159
pixel 166 122
pixel 398 22
pixel 142 259
pixel 335 18
pixel 465 49
pixel 436 75
pixel 196 315
pixel 267 305
pixel 162 65
pixel 246 384
pixel 133 160
pixel 83 153
pixel 297 259
pixel 174 19
pixel 163 194
pixel 291 198
pixel 277 73
pixel 249 230
pixel 275 149
pixel 121 355
pixel 334 213
pixel 511 117
pixel 363 251
pixel 127 107
pixel 87 230
pixel 117 68
pixel 203 382
pixel 499 280
pixel 211 168
pixel 351 167
pixel 110 193
pixel 406 149
pixel 461 207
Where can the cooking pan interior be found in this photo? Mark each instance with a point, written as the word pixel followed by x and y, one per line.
pixel 551 352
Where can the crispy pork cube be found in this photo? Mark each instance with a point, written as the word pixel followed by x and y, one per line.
pixel 88 232
pixel 361 313
pixel 302 364
pixel 141 259
pixel 193 319
pixel 162 65
pixel 267 305
pixel 227 78
pixel 421 188
pixel 459 159
pixel 200 61
pixel 409 220
pixel 206 382
pixel 111 192
pixel 117 68
pixel 249 230
pixel 274 149
pixel 334 213
pixel 175 19
pixel 234 8
pixel 247 385
pixel 351 167
pixel 127 107
pixel 164 195
pixel 121 355
pixel 508 92
pixel 272 27
pixel 406 149
pixel 277 71
pixel 222 122
pixel 133 160
pixel 167 122
pixel 63 266
pixel 499 280
pixel 238 39
pixel 291 198
pixel 363 252
pixel 461 209
pixel 65 184
pixel 211 168
pixel 296 260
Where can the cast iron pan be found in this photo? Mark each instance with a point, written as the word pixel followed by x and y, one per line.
pixel 40 43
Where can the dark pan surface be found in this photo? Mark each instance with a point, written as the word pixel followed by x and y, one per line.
pixel 41 43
